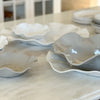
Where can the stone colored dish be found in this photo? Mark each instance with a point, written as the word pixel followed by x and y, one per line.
pixel 82 53
pixel 15 59
pixel 14 64
pixel 60 65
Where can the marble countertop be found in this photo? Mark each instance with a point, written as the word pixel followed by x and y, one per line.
pixel 41 82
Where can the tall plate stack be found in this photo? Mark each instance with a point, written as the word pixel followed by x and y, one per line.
pixel 85 16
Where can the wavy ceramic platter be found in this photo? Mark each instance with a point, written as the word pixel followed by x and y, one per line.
pixel 15 59
pixel 33 42
pixel 97 18
pixel 81 53
pixel 84 16
pixel 55 31
pixel 60 65
pixel 79 50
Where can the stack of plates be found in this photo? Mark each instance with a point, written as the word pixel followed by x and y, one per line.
pixel 32 34
pixel 84 16
pixel 44 35
pixel 97 19
pixel 96 23
pixel 74 53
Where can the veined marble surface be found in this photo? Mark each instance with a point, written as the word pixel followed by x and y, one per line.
pixel 41 82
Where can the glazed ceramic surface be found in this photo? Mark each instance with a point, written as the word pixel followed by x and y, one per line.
pixel 14 61
pixel 55 31
pixel 60 64
pixel 83 53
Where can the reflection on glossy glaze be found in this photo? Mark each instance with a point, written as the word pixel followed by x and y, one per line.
pixel 97 52
pixel 73 51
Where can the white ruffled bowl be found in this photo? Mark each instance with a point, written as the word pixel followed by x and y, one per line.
pixel 29 31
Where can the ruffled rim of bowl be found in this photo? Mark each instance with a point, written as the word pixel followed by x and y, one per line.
pixel 93 73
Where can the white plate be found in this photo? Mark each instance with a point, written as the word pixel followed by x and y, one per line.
pixel 84 16
pixel 33 42
pixel 82 21
pixel 60 65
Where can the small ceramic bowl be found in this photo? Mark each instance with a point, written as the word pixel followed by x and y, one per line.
pixel 82 53
pixel 15 63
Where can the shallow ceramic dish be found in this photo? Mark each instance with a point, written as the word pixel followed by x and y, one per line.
pixel 84 16
pixel 29 31
pixel 14 64
pixel 16 59
pixel 33 42
pixel 38 40
pixel 59 64
pixel 82 53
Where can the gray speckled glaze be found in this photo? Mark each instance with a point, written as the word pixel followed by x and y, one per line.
pixel 82 53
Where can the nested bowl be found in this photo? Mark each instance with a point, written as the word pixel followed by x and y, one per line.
pixel 82 53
